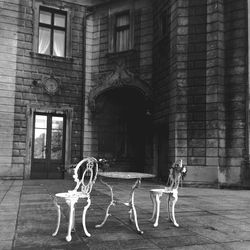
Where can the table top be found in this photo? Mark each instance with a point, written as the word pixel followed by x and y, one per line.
pixel 126 175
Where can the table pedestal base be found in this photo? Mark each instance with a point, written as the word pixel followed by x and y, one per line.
pixel 130 204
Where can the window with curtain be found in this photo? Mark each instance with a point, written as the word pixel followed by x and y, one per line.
pixel 122 31
pixel 52 32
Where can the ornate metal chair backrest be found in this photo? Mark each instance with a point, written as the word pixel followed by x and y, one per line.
pixel 89 172
pixel 176 174
pixel 85 174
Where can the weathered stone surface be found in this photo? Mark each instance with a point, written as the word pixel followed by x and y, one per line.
pixel 208 217
pixel 192 53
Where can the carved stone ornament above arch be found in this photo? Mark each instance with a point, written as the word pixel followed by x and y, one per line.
pixel 120 77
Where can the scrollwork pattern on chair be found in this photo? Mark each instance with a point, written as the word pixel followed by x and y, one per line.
pixel 176 174
pixel 85 180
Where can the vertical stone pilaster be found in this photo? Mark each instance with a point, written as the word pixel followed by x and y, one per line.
pixel 93 50
pixel 235 36
pixel 178 76
pixel 215 111
pixel 181 81
pixel 196 92
pixel 8 50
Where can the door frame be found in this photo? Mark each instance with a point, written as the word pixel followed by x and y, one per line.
pixel 48 162
pixel 67 112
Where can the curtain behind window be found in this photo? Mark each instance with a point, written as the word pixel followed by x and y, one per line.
pixel 52 32
pixel 122 33
pixel 59 43
pixel 44 41
pixel 122 40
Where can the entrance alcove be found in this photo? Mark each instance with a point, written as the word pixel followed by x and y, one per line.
pixel 121 122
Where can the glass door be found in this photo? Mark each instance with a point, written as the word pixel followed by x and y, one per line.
pixel 48 146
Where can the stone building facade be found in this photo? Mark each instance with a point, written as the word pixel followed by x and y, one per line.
pixel 141 83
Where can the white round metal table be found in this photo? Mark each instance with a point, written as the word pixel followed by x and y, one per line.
pixel 127 176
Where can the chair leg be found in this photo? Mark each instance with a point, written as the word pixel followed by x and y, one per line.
pixel 58 216
pixel 71 219
pixel 74 223
pixel 175 196
pixel 168 201
pixel 84 218
pixel 131 218
pixel 158 204
pixel 152 197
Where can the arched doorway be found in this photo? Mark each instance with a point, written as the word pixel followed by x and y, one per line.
pixel 121 125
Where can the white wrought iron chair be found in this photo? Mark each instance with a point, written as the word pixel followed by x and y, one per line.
pixel 85 182
pixel 176 173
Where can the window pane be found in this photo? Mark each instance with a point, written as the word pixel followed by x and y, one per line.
pixel 45 17
pixel 44 41
pixel 40 144
pixel 57 138
pixel 56 144
pixel 57 122
pixel 41 121
pixel 59 20
pixel 122 40
pixel 122 20
pixel 40 137
pixel 59 43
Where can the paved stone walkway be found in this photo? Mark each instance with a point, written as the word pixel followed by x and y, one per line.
pixel 208 218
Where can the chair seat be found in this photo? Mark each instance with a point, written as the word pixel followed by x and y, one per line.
pixel 166 190
pixel 84 174
pixel 68 195
pixel 176 173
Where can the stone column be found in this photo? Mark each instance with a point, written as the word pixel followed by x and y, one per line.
pixel 215 110
pixel 92 68
pixel 178 84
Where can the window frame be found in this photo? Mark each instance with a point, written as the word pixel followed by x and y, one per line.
pixel 68 35
pixel 113 30
pixel 121 28
pixel 52 27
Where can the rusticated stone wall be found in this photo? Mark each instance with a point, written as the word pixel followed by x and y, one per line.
pixel 101 62
pixel 9 25
pixel 170 83
pixel 196 82
pixel 197 71
pixel 20 68
pixel 200 82
pixel 235 167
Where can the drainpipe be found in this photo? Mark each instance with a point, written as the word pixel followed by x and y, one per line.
pixel 83 82
pixel 84 75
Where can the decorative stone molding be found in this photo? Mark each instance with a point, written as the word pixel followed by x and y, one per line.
pixel 51 85
pixel 120 77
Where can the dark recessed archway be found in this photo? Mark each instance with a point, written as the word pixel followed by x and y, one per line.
pixel 120 122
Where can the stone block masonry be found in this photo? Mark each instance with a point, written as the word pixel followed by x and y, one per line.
pixel 189 55
pixel 236 132
pixel 8 66
pixel 20 66
pixel 200 77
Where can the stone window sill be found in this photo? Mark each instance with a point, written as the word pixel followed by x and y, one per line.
pixel 52 58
